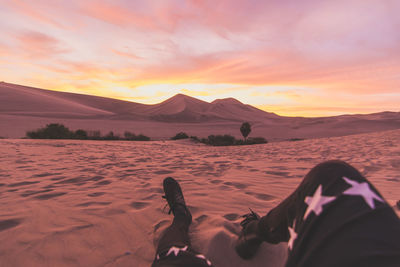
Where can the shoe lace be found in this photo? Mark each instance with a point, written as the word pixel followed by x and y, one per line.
pixel 252 216
pixel 170 209
pixel 179 201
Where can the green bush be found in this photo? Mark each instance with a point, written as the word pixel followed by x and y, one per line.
pixel 142 137
pixel 111 136
pixel 195 138
pixel 255 140
pixel 228 140
pixel 80 134
pixel 221 140
pixel 180 135
pixel 296 139
pixel 133 137
pixel 51 131
pixel 59 131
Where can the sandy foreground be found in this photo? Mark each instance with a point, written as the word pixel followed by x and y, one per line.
pixel 95 203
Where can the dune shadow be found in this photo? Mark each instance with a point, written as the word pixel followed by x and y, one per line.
pixel 10 223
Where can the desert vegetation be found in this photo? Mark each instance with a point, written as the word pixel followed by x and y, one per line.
pixel 245 129
pixel 59 131
pixel 228 140
pixel 181 135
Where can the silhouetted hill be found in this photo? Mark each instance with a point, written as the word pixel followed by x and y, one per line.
pixel 24 108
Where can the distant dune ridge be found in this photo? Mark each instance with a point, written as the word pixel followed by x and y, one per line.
pixel 24 108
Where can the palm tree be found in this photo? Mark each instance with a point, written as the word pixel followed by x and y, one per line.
pixel 245 129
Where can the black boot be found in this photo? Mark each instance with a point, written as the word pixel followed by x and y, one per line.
pixel 174 197
pixel 248 242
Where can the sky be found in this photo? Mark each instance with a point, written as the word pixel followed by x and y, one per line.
pixel 295 58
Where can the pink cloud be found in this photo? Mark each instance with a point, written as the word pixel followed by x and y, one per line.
pixel 117 14
pixel 37 44
pixel 32 10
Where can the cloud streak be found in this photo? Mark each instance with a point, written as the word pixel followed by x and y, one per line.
pixel 337 50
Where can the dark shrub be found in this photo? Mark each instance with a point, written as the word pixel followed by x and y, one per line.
pixel 180 135
pixel 59 131
pixel 256 140
pixel 133 137
pixel 228 140
pixel 142 137
pixel 296 139
pixel 195 138
pixel 129 135
pixel 111 136
pixel 51 131
pixel 221 140
pixel 80 134
pixel 245 129
pixel 94 135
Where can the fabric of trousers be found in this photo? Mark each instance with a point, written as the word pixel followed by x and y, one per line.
pixel 335 218
pixel 174 247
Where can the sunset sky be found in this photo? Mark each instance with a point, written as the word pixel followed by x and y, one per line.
pixel 296 58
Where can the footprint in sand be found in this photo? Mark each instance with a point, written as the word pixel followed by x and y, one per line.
pixel 224 188
pixel 201 218
pixel 10 223
pixel 105 182
pixel 138 205
pixel 152 196
pixel 278 173
pixel 45 174
pixel 160 224
pixel 236 185
pixel 231 216
pixel 193 209
pixel 155 190
pixel 32 192
pixel 58 178
pixel 96 194
pixel 163 172
pixel 50 195
pixel 216 181
pixel 145 185
pixel 261 196
pixel 77 180
pixel 91 203
pixel 23 183
pixel 96 178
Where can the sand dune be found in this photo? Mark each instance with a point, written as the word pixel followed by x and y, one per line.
pixel 25 108
pixel 88 203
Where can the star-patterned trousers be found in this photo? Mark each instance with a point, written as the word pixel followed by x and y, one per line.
pixel 334 218
pixel 174 247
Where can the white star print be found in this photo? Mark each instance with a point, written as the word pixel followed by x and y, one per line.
pixel 204 258
pixel 176 250
pixel 316 202
pixel 363 190
pixel 293 236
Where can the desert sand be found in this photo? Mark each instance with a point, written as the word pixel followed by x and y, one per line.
pixel 24 108
pixel 97 203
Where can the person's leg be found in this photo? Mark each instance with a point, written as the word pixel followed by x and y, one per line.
pixel 174 247
pixel 334 218
pixel 177 234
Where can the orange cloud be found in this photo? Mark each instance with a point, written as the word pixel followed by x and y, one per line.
pixel 125 54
